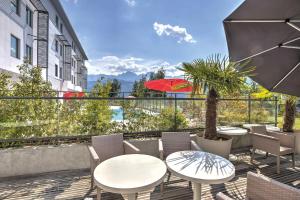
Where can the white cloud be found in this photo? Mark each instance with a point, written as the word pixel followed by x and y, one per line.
pixel 177 32
pixel 114 65
pixel 131 3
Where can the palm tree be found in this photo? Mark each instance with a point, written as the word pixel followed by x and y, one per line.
pixel 215 76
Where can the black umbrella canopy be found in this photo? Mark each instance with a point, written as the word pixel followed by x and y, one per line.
pixel 266 33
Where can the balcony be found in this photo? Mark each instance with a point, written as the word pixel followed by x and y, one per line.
pixel 44 150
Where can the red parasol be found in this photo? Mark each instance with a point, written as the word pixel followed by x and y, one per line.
pixel 169 85
pixel 68 95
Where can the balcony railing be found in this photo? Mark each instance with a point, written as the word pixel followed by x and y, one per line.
pixel 54 117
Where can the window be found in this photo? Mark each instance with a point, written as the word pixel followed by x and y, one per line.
pixel 29 54
pixel 56 70
pixel 56 21
pixel 56 45
pixel 29 17
pixel 14 5
pixel 72 78
pixel 61 28
pixel 61 50
pixel 14 47
pixel 60 72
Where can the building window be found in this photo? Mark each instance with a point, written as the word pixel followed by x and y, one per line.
pixel 56 45
pixel 56 21
pixel 72 78
pixel 56 70
pixel 60 72
pixel 14 47
pixel 29 17
pixel 29 54
pixel 61 50
pixel 61 28
pixel 14 5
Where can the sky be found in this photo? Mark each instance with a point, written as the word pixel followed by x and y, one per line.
pixel 144 35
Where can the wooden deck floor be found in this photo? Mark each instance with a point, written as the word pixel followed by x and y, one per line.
pixel 76 184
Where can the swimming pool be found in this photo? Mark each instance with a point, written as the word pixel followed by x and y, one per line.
pixel 117 113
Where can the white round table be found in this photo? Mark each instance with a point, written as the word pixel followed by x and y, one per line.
pixel 200 168
pixel 129 174
pixel 232 131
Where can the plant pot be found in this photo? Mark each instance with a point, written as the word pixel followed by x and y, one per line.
pixel 297 141
pixel 218 147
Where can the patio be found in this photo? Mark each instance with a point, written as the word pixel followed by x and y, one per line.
pixel 76 184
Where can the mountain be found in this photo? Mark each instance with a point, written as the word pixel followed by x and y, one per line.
pixel 126 79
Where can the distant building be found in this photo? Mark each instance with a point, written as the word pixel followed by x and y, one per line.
pixel 40 31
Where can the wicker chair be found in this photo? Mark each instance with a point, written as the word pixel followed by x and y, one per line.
pixel 276 143
pixel 108 146
pixel 171 142
pixel 260 187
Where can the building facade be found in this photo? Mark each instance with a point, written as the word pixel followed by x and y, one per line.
pixel 40 32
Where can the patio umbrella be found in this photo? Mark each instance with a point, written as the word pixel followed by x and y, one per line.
pixel 69 95
pixel 266 34
pixel 169 85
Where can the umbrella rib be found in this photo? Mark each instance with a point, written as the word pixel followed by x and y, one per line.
pixel 262 21
pixel 270 49
pixel 287 75
pixel 257 54
pixel 291 47
pixel 294 26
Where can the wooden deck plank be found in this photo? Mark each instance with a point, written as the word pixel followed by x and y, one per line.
pixel 76 184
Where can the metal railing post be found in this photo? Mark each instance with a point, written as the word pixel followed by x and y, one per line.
pixel 249 109
pixel 123 96
pixel 175 113
pixel 276 111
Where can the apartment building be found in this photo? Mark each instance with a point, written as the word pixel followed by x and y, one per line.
pixel 40 31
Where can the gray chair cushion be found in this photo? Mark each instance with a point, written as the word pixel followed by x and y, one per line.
pixel 175 141
pixel 108 146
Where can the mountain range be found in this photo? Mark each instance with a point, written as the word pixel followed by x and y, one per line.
pixel 126 79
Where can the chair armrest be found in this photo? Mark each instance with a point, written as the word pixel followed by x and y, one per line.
pixel 94 159
pixel 94 156
pixel 161 149
pixel 222 196
pixel 195 146
pixel 266 143
pixel 286 139
pixel 130 148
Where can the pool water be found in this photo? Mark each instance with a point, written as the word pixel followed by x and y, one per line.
pixel 117 113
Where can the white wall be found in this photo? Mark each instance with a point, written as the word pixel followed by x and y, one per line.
pixel 40 159
pixel 10 23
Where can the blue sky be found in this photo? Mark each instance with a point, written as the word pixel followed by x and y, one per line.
pixel 144 35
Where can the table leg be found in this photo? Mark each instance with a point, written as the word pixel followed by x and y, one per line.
pixel 197 191
pixel 132 196
pixel 98 193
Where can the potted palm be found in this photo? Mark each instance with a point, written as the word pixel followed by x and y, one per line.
pixel 216 76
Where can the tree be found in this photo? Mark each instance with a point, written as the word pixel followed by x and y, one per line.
pixel 219 76
pixel 290 107
pixel 115 88
pixel 98 114
pixel 289 114
pixel 139 89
